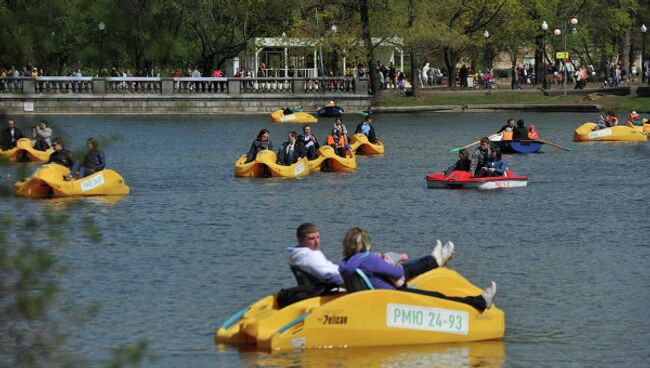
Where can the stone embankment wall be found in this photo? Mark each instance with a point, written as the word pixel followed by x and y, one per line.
pixel 66 95
pixel 142 104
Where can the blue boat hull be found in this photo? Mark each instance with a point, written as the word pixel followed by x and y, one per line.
pixel 331 112
pixel 517 146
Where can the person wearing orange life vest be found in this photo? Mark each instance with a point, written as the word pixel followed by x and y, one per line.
pixel 633 119
pixel 338 142
pixel 611 120
pixel 532 133
pixel 507 130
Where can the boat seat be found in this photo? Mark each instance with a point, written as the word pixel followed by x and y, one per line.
pixel 304 278
pixel 357 282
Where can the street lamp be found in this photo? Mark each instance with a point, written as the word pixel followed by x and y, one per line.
pixel 644 29
pixel 573 22
pixel 544 29
pixel 102 27
pixel 486 35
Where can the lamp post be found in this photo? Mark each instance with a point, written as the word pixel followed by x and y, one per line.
pixel 101 27
pixel 486 61
pixel 557 32
pixel 544 80
pixel 644 69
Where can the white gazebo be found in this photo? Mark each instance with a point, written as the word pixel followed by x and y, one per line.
pixel 299 57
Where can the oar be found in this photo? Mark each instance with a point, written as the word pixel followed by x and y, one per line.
pixel 555 145
pixel 457 149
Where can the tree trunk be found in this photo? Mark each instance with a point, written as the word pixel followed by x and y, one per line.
pixel 415 85
pixel 370 50
pixel 450 63
pixel 627 44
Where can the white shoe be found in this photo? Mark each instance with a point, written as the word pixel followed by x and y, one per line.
pixel 489 293
pixel 447 251
pixel 437 253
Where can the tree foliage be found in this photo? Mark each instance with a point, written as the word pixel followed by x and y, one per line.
pixel 59 35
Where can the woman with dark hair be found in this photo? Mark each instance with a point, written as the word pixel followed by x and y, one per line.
pixel 385 275
pixel 496 166
pixel 93 161
pixel 262 142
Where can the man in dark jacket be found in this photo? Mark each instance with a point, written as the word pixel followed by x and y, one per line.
pixel 11 135
pixel 520 132
pixel 367 129
pixel 61 155
pixel 291 150
pixel 309 142
pixel 479 158
pixel 93 161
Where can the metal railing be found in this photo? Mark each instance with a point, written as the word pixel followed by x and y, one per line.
pixel 133 85
pixel 59 85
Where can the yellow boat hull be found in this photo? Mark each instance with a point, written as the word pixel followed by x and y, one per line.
pixel 48 181
pixel 297 117
pixel 484 354
pixel 265 165
pixel 360 144
pixel 362 318
pixel 327 158
pixel 620 133
pixel 24 149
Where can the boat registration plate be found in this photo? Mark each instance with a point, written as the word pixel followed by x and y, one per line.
pixel 299 168
pixel 428 319
pixel 600 133
pixel 92 183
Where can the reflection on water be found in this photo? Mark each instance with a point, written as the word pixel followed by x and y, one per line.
pixel 485 354
pixel 192 244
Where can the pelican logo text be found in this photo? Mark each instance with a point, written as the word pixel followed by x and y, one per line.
pixel 335 320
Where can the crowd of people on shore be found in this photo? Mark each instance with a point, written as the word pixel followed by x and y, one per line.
pixel 42 134
pixel 306 145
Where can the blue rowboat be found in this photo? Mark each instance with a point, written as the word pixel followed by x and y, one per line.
pixel 517 146
pixel 330 111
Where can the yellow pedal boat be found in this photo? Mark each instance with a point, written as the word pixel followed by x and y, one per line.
pixel 25 149
pixel 265 165
pixel 620 133
pixel 367 318
pixel 278 116
pixel 360 144
pixel 327 159
pixel 47 181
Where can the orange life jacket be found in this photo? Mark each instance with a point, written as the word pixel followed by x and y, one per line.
pixel 533 136
pixel 507 136
pixel 331 142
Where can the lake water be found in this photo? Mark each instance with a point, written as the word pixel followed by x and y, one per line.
pixel 192 244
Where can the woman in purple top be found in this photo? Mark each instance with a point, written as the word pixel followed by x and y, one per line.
pixel 384 275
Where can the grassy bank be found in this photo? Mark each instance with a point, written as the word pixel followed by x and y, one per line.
pixel 617 103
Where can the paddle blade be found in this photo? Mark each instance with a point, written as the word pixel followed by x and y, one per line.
pixel 455 150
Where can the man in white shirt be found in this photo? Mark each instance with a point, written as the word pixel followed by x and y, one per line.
pixel 308 257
